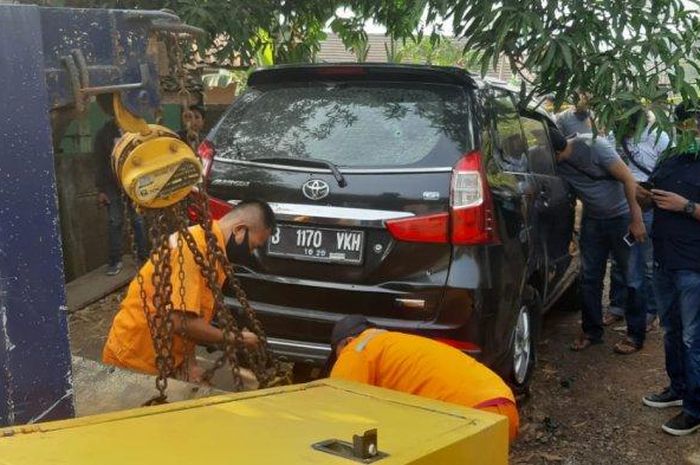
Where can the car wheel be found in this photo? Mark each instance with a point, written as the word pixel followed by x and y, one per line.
pixel 523 348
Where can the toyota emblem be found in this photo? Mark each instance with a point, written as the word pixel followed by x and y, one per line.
pixel 315 189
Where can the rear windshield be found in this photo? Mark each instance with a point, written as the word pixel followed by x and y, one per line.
pixel 352 125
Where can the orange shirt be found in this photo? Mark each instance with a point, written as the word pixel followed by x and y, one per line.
pixel 129 343
pixel 419 366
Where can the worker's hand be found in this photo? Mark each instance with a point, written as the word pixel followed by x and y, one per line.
pixel 102 199
pixel 250 339
pixel 195 374
pixel 668 200
pixel 643 196
pixel 638 231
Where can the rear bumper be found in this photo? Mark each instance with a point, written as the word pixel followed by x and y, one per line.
pixel 299 352
pixel 302 335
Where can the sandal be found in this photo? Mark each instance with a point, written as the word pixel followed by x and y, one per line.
pixel 653 325
pixel 611 318
pixel 583 342
pixel 626 347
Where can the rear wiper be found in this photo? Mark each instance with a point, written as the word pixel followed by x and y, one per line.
pixel 305 162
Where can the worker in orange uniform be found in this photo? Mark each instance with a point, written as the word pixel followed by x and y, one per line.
pixel 129 344
pixel 419 366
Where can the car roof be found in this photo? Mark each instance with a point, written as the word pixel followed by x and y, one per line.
pixel 383 72
pixel 363 71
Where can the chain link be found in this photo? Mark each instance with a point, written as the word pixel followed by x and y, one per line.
pixel 177 69
pixel 211 262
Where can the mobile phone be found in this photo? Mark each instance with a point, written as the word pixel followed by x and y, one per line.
pixel 629 239
pixel 646 185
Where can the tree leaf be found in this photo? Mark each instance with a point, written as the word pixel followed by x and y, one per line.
pixel 566 51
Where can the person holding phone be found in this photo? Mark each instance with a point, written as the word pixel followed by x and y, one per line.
pixel 607 189
pixel 642 153
pixel 676 198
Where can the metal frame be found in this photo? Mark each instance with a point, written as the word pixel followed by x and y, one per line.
pixel 53 59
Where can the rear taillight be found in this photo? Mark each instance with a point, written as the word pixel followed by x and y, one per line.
pixel 471 209
pixel 432 228
pixel 206 152
pixel 218 208
pixel 470 219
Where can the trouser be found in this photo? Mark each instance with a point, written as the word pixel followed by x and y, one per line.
pixel 641 267
pixel 601 238
pixel 116 229
pixel 678 294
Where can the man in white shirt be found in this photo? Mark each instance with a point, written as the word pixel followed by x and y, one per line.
pixel 642 156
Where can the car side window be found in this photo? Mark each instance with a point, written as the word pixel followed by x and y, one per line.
pixel 509 141
pixel 539 150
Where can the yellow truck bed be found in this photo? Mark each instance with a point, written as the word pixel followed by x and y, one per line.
pixel 272 426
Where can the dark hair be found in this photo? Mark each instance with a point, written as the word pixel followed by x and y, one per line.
pixel 264 208
pixel 558 140
pixel 685 110
pixel 348 326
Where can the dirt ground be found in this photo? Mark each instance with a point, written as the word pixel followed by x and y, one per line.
pixel 585 408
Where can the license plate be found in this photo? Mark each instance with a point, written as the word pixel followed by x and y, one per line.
pixel 317 244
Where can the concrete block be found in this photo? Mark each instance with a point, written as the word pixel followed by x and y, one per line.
pixel 101 388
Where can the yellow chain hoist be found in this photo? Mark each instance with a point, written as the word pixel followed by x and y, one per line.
pixel 162 177
pixel 156 169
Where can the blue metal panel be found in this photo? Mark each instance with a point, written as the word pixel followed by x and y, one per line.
pixel 53 59
pixel 114 44
pixel 35 369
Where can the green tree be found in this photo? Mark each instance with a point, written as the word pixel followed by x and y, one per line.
pixel 441 52
pixel 293 30
pixel 620 52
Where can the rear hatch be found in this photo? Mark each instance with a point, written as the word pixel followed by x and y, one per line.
pixel 341 153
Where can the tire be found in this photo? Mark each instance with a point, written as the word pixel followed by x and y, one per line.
pixel 523 350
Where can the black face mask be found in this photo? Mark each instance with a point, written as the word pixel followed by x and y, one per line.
pixel 238 253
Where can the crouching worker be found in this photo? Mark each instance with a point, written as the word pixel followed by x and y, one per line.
pixel 419 366
pixel 129 344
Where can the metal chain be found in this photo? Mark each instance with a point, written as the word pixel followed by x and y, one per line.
pixel 154 318
pixel 189 346
pixel 233 338
pixel 158 312
pixel 177 69
pixel 160 320
pixel 260 359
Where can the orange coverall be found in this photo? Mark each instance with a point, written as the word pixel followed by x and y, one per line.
pixel 423 367
pixel 129 344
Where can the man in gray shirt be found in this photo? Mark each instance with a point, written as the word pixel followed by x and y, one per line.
pixel 607 189
pixel 577 119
